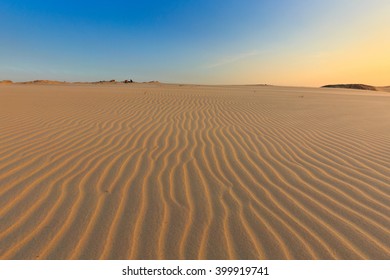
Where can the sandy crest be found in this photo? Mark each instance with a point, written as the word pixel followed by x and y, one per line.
pixel 154 171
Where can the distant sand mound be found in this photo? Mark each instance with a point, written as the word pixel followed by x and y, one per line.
pixel 6 82
pixel 44 82
pixel 384 88
pixel 105 82
pixel 352 86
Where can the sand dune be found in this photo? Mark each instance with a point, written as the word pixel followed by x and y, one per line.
pixel 5 82
pixel 44 82
pixel 384 88
pixel 156 171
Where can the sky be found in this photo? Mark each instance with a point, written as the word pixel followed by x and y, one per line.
pixel 281 42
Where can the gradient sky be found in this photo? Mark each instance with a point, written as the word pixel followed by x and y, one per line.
pixel 282 42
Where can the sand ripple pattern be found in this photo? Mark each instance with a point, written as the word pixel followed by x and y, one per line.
pixel 193 172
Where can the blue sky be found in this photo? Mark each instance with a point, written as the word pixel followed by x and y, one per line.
pixel 283 42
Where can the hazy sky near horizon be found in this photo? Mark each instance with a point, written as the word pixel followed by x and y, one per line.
pixel 283 42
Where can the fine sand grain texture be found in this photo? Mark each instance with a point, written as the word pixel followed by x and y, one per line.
pixel 156 171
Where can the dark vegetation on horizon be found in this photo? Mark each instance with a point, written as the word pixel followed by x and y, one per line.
pixel 352 86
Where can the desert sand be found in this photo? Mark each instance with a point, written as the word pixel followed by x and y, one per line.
pixel 158 171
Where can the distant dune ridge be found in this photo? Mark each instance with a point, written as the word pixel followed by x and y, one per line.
pixel 53 82
pixel 384 88
pixel 45 82
pixel 353 86
pixel 158 171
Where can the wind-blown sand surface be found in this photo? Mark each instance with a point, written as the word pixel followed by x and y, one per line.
pixel 154 171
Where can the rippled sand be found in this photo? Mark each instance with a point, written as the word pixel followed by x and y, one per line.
pixel 154 171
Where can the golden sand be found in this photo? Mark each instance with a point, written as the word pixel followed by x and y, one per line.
pixel 156 171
